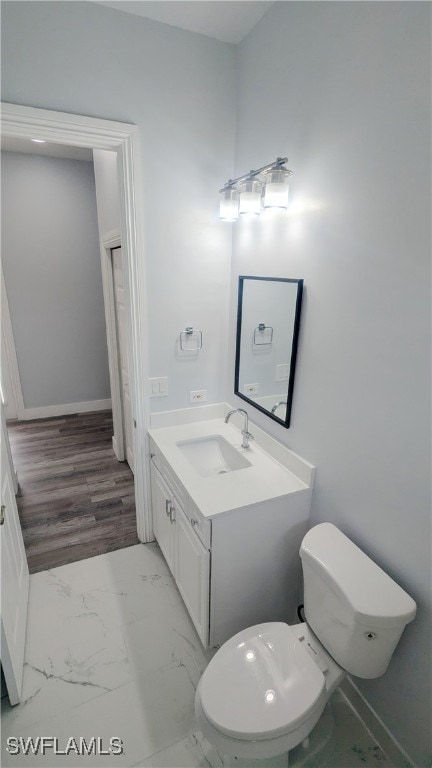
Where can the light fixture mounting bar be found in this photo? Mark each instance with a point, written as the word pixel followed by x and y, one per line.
pixel 278 163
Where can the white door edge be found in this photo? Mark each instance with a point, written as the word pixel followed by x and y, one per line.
pixel 15 572
pixel 10 353
pixel 109 241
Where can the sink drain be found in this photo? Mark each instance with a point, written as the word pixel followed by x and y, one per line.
pixel 222 472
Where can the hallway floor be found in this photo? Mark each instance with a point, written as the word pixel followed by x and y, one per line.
pixel 75 499
pixel 111 652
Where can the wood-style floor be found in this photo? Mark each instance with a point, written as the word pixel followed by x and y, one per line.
pixel 75 499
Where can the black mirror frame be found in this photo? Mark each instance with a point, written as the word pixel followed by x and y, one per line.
pixel 285 423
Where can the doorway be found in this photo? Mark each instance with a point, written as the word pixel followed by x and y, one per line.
pixel 26 122
pixel 75 499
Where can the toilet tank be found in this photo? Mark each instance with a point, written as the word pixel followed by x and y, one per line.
pixel 356 610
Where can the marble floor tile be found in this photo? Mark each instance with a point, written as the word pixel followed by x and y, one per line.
pixel 45 699
pixel 364 753
pixel 176 645
pixel 336 731
pixel 71 603
pixel 192 752
pixel 196 752
pixel 141 559
pixel 128 600
pixel 58 679
pixel 111 652
pixel 147 718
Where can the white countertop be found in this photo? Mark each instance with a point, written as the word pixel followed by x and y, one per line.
pixel 265 479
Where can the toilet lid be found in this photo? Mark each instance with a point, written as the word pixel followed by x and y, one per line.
pixel 261 683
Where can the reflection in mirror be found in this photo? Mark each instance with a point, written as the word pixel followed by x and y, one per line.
pixel 267 333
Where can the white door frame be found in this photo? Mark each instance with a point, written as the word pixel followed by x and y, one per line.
pixel 109 241
pixel 8 343
pixel 15 592
pixel 94 133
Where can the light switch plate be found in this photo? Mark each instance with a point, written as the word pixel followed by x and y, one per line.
pixel 282 372
pixel 158 387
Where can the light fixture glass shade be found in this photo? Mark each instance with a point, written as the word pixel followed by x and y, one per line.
pixel 276 188
pixel 229 205
pixel 250 196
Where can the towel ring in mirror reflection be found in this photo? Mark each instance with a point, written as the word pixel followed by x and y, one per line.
pixel 261 328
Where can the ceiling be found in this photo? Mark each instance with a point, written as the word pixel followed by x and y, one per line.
pixel 52 150
pixel 226 20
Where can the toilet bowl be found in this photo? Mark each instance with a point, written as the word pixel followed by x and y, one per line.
pixel 266 688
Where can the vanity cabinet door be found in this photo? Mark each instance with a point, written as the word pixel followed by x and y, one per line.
pixel 163 524
pixel 192 574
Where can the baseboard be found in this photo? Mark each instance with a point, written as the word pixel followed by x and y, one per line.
pixel 49 411
pixel 391 748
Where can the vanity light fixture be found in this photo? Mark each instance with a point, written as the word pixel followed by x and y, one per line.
pixel 250 196
pixel 229 204
pixel 267 186
pixel 276 187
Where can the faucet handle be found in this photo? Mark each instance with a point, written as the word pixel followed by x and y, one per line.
pixel 247 438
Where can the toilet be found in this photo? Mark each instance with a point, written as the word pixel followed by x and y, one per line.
pixel 266 688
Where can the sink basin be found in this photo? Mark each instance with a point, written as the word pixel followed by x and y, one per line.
pixel 212 455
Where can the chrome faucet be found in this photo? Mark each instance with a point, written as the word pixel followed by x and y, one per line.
pixel 246 434
pixel 281 402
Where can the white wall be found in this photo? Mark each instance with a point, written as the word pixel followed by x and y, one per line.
pixel 52 272
pixel 179 88
pixel 343 89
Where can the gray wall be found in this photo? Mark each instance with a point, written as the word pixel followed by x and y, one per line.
pixel 179 88
pixel 51 264
pixel 344 90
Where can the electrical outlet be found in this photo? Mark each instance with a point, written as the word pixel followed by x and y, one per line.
pixel 197 395
pixel 251 389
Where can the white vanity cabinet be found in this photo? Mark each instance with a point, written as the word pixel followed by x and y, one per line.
pixel 177 535
pixel 193 574
pixel 231 539
pixel 163 502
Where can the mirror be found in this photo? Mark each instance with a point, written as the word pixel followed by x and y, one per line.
pixel 268 321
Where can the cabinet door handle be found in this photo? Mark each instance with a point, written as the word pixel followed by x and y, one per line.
pixel 193 522
pixel 2 514
pixel 168 508
pixel 172 514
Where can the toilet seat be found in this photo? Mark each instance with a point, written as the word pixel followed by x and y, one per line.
pixel 261 685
